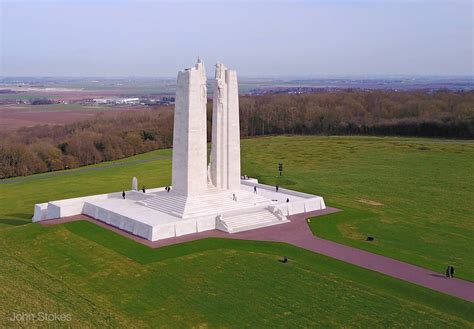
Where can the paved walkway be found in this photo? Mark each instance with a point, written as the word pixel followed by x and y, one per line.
pixel 298 233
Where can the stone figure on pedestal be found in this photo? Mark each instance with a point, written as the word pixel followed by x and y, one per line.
pixel 134 184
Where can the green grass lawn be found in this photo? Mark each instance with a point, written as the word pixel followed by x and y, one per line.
pixel 103 279
pixel 414 195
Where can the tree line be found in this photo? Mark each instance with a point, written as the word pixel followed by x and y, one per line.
pixel 45 148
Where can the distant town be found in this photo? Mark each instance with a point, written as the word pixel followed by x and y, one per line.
pixel 167 100
pixel 160 91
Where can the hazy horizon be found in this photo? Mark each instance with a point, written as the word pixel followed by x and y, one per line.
pixel 210 74
pixel 283 39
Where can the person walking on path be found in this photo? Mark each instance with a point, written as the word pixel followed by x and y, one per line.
pixel 123 195
pixel 451 271
pixel 448 271
pixel 255 189
pixel 276 188
pixel 143 189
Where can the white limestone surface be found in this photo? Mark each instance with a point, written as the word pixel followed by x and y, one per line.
pixel 189 174
pixel 134 184
pixel 158 214
pixel 225 147
pixel 133 218
pixel 202 197
pixel 74 206
pixel 299 202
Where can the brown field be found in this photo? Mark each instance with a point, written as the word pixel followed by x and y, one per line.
pixel 16 116
pixel 69 94
pixel 13 116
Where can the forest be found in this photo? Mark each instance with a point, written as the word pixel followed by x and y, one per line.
pixel 441 114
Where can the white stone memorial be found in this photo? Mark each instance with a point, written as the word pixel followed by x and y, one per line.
pixel 203 196
pixel 225 151
pixel 134 184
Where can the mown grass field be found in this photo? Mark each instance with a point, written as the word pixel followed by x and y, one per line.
pixel 415 196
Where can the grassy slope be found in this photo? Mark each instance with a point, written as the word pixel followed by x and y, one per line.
pixel 103 280
pixel 426 188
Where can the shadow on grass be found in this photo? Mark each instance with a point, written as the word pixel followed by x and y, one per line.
pixel 16 219
pixel 390 286
pixel 144 254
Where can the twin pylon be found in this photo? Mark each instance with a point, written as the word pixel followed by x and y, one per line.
pixel 191 174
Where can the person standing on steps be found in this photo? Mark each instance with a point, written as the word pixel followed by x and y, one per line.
pixel 123 195
pixel 287 200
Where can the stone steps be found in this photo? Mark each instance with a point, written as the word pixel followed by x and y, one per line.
pixel 212 202
pixel 249 221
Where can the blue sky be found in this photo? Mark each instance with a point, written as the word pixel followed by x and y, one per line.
pixel 258 38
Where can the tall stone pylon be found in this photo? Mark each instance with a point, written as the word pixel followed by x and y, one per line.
pixel 189 176
pixel 224 168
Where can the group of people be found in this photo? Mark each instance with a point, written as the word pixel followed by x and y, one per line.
pixel 143 190
pixel 450 271
pixel 276 189
pixel 234 197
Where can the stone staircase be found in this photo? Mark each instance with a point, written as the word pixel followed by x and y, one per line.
pixel 248 221
pixel 213 202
